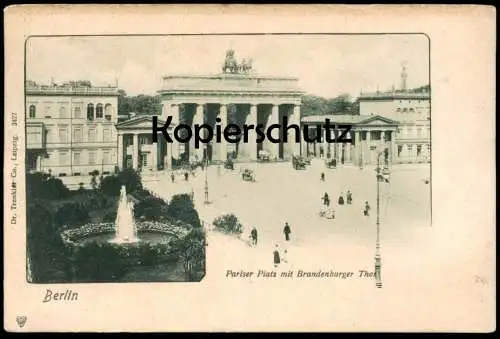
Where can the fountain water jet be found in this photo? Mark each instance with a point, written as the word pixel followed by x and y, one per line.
pixel 126 231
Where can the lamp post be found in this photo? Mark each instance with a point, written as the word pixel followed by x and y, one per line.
pixel 206 174
pixel 378 259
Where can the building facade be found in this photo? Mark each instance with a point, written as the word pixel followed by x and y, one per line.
pixel 372 139
pixel 70 130
pixel 412 111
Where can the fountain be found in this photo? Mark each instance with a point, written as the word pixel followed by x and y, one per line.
pixel 126 231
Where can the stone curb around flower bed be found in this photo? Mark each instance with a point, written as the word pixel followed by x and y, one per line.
pixel 72 237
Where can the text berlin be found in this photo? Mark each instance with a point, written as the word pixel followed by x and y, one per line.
pixel 232 133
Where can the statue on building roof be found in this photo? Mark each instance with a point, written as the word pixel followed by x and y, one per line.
pixel 231 65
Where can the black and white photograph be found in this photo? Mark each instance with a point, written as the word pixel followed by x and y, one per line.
pixel 226 168
pixel 109 203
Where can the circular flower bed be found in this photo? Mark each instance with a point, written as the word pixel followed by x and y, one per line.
pixel 75 236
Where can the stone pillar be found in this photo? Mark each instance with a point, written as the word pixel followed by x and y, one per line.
pixel 198 119
pixel 296 146
pixel 168 156
pixel 135 153
pixel 252 135
pixel 120 151
pixel 347 154
pixel 326 145
pixel 369 157
pixel 357 148
pixel 154 156
pixel 392 147
pixel 272 148
pixel 222 146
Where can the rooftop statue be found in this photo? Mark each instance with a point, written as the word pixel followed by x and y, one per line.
pixel 232 66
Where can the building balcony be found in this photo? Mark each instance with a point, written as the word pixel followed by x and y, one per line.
pixel 35 136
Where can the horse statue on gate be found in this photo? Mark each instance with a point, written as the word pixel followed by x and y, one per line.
pixel 230 64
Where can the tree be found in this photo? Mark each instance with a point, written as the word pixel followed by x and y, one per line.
pixel 45 186
pixel 151 208
pixel 110 185
pixel 45 249
pixel 181 208
pixel 71 214
pixel 131 179
pixel 191 252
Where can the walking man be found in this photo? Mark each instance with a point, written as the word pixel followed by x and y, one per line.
pixel 172 176
pixel 186 176
pixel 254 236
pixel 349 197
pixel 287 231
pixel 322 176
pixel 366 211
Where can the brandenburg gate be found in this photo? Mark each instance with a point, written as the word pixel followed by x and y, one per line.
pixel 235 96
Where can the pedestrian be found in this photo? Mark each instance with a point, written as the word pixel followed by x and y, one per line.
pixel 254 236
pixel 326 199
pixel 341 199
pixel 192 196
pixel 276 256
pixel 366 211
pixel 322 176
pixel 186 176
pixel 172 176
pixel 349 197
pixel 287 231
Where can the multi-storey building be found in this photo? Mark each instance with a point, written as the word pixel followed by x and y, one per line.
pixel 70 129
pixel 412 112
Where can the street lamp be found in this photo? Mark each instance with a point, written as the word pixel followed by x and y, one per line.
pixel 206 174
pixel 378 259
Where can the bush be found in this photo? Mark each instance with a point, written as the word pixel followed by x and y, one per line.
pixel 228 224
pixel 112 184
pixel 151 208
pixel 181 208
pixel 45 186
pixel 72 214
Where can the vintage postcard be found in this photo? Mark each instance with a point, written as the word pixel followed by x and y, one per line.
pixel 249 168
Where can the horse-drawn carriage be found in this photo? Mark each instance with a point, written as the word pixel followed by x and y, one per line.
pixel 326 212
pixel 331 163
pixel 248 175
pixel 264 156
pixel 298 163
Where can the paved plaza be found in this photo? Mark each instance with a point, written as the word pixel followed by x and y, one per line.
pixel 281 194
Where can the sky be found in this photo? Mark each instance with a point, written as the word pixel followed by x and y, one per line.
pixel 326 65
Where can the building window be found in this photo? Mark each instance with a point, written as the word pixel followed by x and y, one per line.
pixel 106 157
pixel 78 134
pixel 92 134
pixel 63 158
pixel 144 159
pixel 375 135
pixel 90 112
pixel 405 110
pixel 78 112
pixel 108 112
pixel 400 149
pixel 92 157
pixel 412 109
pixel 419 131
pixel 99 112
pixel 143 140
pixel 77 158
pixel 106 134
pixel 363 136
pixel 49 135
pixel 47 111
pixel 419 150
pixel 63 134
pixel 62 112
pixel 32 111
pixel 388 136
